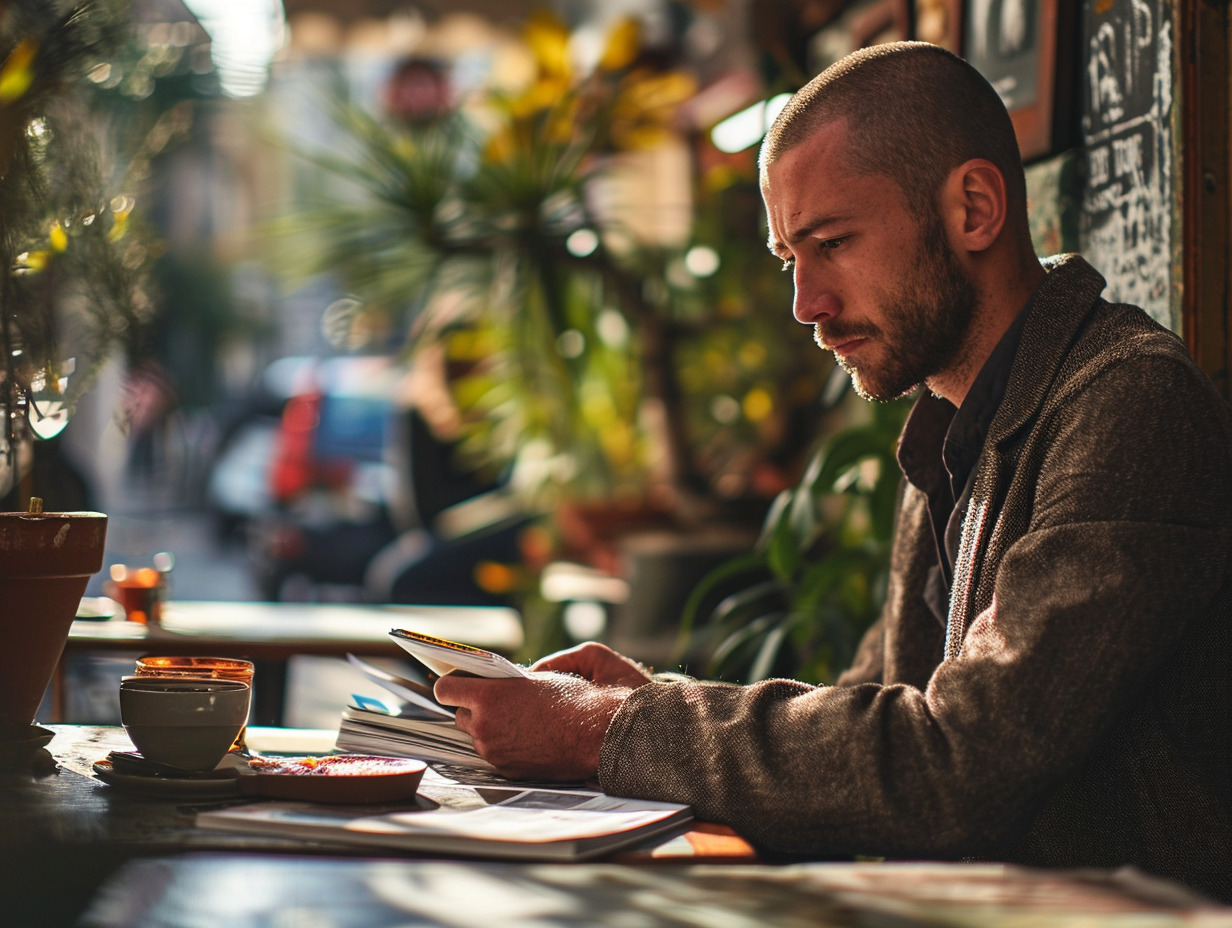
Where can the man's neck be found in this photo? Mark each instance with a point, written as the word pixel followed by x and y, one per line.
pixel 998 308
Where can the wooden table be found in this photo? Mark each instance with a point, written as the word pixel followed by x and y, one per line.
pixel 63 832
pixel 269 634
pixel 71 845
pixel 275 891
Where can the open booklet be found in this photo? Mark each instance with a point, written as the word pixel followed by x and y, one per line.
pixel 507 821
pixel 415 726
pixel 418 726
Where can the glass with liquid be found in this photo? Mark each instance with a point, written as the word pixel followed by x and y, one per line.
pixel 217 668
pixel 141 591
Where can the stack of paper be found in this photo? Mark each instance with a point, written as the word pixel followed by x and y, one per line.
pixel 365 731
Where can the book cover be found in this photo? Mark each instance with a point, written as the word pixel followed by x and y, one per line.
pixel 442 656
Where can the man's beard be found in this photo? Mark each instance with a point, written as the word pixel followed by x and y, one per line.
pixel 926 323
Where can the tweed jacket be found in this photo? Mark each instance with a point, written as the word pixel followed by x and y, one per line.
pixel 1076 707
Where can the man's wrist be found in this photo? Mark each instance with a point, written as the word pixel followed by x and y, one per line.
pixel 608 702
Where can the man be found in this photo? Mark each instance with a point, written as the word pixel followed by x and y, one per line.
pixel 1049 682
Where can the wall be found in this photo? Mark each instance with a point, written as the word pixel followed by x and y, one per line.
pixel 1125 222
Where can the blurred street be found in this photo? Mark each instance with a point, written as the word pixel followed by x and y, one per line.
pixel 145 521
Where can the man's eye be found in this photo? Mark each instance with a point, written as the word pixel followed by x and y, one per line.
pixel 830 244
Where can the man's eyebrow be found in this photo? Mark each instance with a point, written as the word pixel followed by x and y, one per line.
pixel 811 227
pixel 802 232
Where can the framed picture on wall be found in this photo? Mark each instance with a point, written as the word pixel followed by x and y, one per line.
pixel 1014 43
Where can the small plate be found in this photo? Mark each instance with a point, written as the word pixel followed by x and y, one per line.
pixel 18 751
pixel 97 608
pixel 214 785
pixel 348 779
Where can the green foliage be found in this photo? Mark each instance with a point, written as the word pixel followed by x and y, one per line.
pixel 74 260
pixel 592 361
pixel 471 250
pixel 799 604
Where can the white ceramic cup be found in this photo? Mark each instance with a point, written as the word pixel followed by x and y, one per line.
pixel 183 722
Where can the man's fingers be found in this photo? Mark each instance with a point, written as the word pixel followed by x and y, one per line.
pixel 564 664
pixel 588 659
pixel 566 660
pixel 451 690
pixel 462 719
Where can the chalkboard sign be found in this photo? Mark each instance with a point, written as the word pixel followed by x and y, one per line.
pixel 1125 227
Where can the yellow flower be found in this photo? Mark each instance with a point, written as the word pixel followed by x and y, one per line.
pixel 758 404
pixel 58 237
pixel 499 148
pixel 545 93
pixel 645 105
pixel 647 92
pixel 33 261
pixel 121 207
pixel 17 74
pixel 548 39
pixel 118 228
pixel 623 43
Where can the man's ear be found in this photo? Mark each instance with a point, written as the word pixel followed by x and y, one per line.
pixel 974 204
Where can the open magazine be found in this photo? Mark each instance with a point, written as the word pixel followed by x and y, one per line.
pixel 507 821
pixel 418 726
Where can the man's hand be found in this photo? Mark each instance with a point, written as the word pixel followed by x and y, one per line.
pixel 548 726
pixel 597 663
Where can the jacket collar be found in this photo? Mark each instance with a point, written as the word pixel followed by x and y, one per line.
pixel 1054 318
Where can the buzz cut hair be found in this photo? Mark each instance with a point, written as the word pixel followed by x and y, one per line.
pixel 914 113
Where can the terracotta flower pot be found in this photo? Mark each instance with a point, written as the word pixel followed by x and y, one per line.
pixel 45 562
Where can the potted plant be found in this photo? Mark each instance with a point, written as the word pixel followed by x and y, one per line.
pixel 72 274
pixel 798 604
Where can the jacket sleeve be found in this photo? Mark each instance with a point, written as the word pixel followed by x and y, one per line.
pixel 1124 545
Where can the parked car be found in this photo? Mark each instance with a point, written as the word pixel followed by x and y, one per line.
pixel 331 481
pixel 347 494
pixel 238 487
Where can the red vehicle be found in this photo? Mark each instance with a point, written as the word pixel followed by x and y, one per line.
pixel 331 479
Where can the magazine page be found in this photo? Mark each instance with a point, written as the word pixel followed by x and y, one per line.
pixel 412 692
pixel 364 731
pixel 509 813
pixel 505 820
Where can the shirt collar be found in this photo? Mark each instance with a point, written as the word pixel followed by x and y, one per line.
pixel 965 437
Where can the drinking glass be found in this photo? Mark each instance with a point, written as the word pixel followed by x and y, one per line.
pixel 139 590
pixel 218 668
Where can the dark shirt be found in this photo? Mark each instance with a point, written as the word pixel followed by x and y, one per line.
pixel 938 451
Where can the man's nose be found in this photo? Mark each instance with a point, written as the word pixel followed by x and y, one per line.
pixel 814 301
